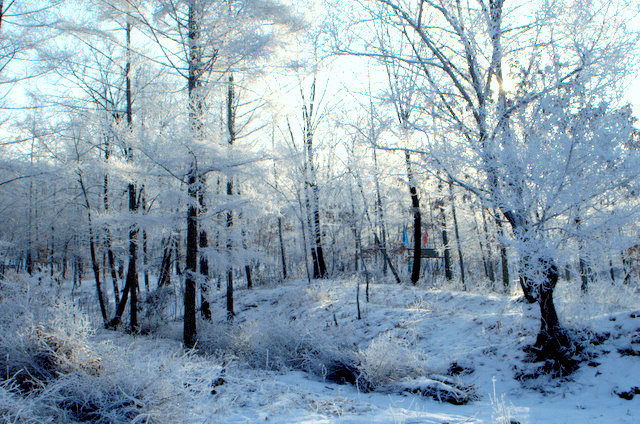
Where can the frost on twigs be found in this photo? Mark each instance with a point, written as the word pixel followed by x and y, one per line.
pixel 390 365
pixel 440 388
pixel 54 369
pixel 156 309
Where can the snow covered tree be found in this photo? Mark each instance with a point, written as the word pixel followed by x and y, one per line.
pixel 515 103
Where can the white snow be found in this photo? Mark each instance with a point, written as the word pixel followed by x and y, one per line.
pixel 268 365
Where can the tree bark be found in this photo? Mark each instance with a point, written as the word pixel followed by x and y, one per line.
pixel 164 277
pixel 311 187
pixel 132 271
pixel 92 248
pixel 552 342
pixel 445 237
pixel 457 234
pixel 487 236
pixel 282 254
pixel 380 210
pixel 503 255
pixel 194 180
pixel 191 269
pixel 107 233
pixel 205 307
pixel 417 222
pixel 231 127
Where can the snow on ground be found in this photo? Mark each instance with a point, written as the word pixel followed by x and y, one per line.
pixel 270 363
pixel 433 329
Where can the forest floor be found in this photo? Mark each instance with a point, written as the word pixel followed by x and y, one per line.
pixel 288 341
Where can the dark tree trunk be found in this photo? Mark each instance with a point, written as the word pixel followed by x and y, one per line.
pixel 230 312
pixel 552 343
pixel 107 233
pixel 504 259
pixel 231 127
pixel 165 265
pixel 114 275
pixel 194 180
pixel 445 237
pixel 92 249
pixel 191 269
pixel 528 287
pixel 29 261
pixel 482 247
pixel 205 307
pixel 282 254
pixel 380 210
pixel 96 274
pixel 247 273
pixel 176 254
pixel 52 252
pixel 417 222
pixel 132 271
pixel 457 234
pixel 145 252
pixel 280 237
pixel 490 263
pixel 586 274
pixel 612 272
pixel 311 187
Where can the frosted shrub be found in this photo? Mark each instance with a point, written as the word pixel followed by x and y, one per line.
pixel 157 309
pixel 39 336
pixel 501 412
pixel 279 344
pixel 53 370
pixel 388 360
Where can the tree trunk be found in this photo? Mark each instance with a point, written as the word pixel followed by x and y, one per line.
pixel 311 187
pixel 380 210
pixel 231 127
pixel 107 233
pixel 96 274
pixel 205 307
pixel 145 259
pixel 191 269
pixel 445 237
pixel 165 266
pixel 132 271
pixel 92 248
pixel 417 222
pixel 586 273
pixel 552 343
pixel 282 254
pixel 481 245
pixel 503 255
pixel 457 233
pixel 280 237
pixel 247 273
pixel 490 263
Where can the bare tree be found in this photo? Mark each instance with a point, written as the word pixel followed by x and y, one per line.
pixel 465 57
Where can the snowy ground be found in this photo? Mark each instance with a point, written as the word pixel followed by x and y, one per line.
pixel 269 365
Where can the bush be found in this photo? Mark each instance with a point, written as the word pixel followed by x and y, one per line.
pixel 54 369
pixel 388 360
pixel 280 344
